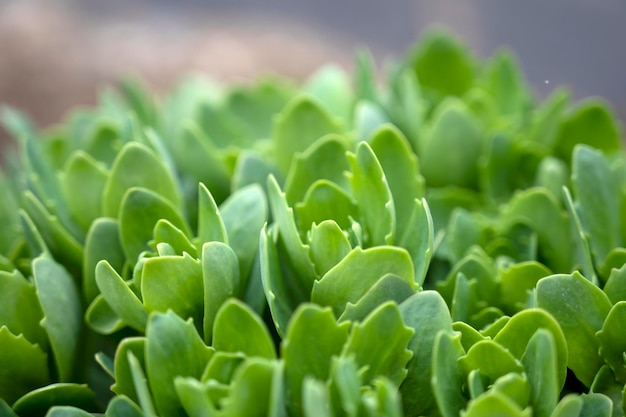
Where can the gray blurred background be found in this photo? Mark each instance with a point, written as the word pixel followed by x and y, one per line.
pixel 56 54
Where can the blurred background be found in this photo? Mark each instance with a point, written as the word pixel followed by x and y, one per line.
pixel 56 54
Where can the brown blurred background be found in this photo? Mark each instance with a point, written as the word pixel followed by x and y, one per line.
pixel 56 54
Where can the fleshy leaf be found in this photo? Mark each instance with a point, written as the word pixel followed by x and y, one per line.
pixel 351 278
pixel 140 210
pixel 102 243
pixel 61 306
pixel 238 329
pixel 580 309
pixel 124 384
pixel 427 314
pixel 328 245
pixel 500 362
pixel 373 196
pixel 541 366
pixel 173 348
pixel 612 340
pixel 299 125
pixel 325 200
pixel 37 403
pixel 447 380
pixel 210 224
pixel 312 339
pixel 137 166
pixel 222 280
pixel 418 238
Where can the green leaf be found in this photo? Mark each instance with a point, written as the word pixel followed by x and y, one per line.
pixel 312 339
pixel 501 361
pixel 173 348
pixel 580 308
pixel 176 283
pixel 606 384
pixel 137 166
pixel 495 404
pixel 252 169
pixel 516 334
pixel 297 252
pixel 407 106
pixel 6 410
pixel 19 308
pixel 244 214
pixel 61 306
pixel 401 169
pixel 253 376
pixel 299 125
pixel 418 237
pixel 612 340
pixel 24 365
pixel 447 379
pixel 615 287
pixel 141 209
pixel 388 358
pixel 210 224
pixel 597 195
pixel 325 200
pixel 373 196
pixel 591 124
pixel 329 245
pixel 427 314
pixel 101 318
pixel 238 329
pixel 368 117
pixel 449 154
pixel 102 243
pixel 166 233
pixel 124 383
pixel 141 386
pixel 541 366
pixel 37 403
pixel 331 86
pixel 120 297
pixel 222 280
pixel 596 405
pixel 67 411
pixel 315 399
pixel 515 387
pixel 83 182
pixel 195 397
pixel 443 64
pixel 517 282
pixel 506 85
pixel 122 406
pixel 388 288
pixel 355 274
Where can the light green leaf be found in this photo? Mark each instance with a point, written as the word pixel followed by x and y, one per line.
pixel 83 181
pixel 329 245
pixel 124 384
pixel 500 361
pixel 495 404
pixel 37 402
pixel 542 369
pixel 173 348
pixel 331 86
pixel 210 224
pixel 447 380
pixel 67 411
pixel 418 238
pixel 297 252
pixel 521 328
pixel 19 308
pixel 137 166
pixel 377 358
pixel 427 314
pixel 615 287
pixel 166 232
pixel 315 399
pixel 591 124
pixel 239 329
pixel 122 406
pixel 195 398
pixel 300 124
pixel 141 386
pixel 101 318
pixel 61 306
pixel 222 280
pixel 253 376
pixel 597 196
pixel 401 169
pixel 244 214
pixel 606 384
pixel 325 200
pixel 516 283
pixel 102 243
pixel 373 196
pixel 312 339
pixel 506 85
pixel 580 309
pixel 449 154
pixel 120 297
pixel 24 365
pixel 388 288
pixel 176 283
pixel 442 64
pixel 355 274
pixel 612 340
pixel 141 209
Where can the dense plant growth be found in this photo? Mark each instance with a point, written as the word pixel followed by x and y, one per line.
pixel 438 244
